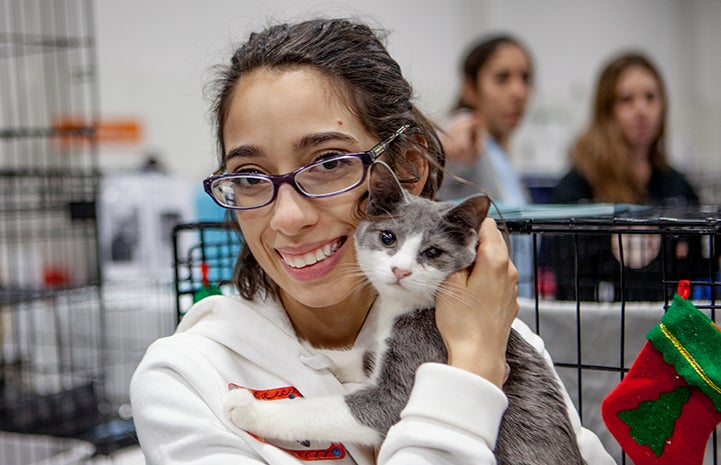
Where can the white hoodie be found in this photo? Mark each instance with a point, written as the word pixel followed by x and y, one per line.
pixel 177 393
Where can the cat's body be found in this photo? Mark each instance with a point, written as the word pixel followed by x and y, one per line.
pixel 407 248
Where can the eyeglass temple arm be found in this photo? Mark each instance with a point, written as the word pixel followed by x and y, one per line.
pixel 380 148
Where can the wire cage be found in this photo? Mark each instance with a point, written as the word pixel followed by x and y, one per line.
pixel 601 283
pixel 204 254
pixel 597 285
pixel 53 339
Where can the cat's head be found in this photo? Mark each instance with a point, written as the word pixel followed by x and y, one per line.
pixel 408 245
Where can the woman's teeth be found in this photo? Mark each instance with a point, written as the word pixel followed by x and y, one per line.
pixel 311 258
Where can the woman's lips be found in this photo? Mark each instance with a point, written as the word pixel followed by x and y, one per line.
pixel 312 257
pixel 514 118
pixel 314 263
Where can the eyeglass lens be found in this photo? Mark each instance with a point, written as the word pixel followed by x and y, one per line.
pixel 323 178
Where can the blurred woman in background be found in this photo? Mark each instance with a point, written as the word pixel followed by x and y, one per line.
pixel 497 82
pixel 621 156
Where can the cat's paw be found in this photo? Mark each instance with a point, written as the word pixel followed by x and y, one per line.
pixel 239 406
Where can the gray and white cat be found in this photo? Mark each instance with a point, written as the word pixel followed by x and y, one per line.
pixel 406 247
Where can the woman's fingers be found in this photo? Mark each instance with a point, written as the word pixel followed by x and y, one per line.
pixel 476 307
pixel 463 139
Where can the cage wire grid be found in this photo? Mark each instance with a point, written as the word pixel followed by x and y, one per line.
pixel 204 254
pixel 593 318
pixel 596 295
pixel 54 355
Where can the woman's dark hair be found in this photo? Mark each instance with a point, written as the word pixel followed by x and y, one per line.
pixel 479 54
pixel 354 58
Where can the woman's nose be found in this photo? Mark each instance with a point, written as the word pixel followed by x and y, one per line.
pixel 519 88
pixel 291 211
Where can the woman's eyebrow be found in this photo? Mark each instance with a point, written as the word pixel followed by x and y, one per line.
pixel 318 138
pixel 310 140
pixel 246 151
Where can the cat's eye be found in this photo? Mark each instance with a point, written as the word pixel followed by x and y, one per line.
pixel 431 252
pixel 387 238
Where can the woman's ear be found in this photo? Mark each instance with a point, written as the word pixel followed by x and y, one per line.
pixel 420 162
pixel 469 94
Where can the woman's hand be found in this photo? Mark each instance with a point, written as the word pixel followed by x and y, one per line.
pixel 463 139
pixel 476 307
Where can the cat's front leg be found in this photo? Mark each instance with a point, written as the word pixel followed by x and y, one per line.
pixel 241 406
pixel 325 418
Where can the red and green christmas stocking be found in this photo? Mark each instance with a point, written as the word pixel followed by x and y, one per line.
pixel 665 408
pixel 208 289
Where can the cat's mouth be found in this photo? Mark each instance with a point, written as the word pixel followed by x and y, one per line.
pixel 314 256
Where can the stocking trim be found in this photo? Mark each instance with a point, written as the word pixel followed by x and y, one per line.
pixel 689 358
pixel 689 341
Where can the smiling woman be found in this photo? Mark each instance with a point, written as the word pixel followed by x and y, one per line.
pixel 302 110
pixel 280 236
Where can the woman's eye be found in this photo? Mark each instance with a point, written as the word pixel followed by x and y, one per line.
pixel 249 181
pixel 624 98
pixel 248 171
pixel 387 238
pixel 329 161
pixel 431 253
pixel 330 164
pixel 502 77
pixel 338 167
pixel 249 178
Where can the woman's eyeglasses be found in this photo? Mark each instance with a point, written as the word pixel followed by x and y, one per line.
pixel 324 178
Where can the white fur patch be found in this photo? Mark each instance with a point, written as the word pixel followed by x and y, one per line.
pixel 300 419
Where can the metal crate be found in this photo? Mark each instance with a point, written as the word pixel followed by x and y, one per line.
pixel 592 311
pixel 54 352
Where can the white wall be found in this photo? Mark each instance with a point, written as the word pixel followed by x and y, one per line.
pixel 155 58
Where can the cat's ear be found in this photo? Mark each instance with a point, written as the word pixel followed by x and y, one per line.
pixel 471 212
pixel 385 193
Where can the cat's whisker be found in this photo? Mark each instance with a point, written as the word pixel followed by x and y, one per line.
pixel 454 292
pixel 360 285
pixel 351 270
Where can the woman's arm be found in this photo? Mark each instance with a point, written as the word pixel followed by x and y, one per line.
pixel 172 415
pixel 452 417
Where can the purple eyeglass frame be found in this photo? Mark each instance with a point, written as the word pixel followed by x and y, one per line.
pixel 367 158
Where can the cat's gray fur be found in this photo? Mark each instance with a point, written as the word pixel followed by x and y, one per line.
pixel 535 428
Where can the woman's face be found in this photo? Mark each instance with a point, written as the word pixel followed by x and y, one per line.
pixel 638 107
pixel 279 121
pixel 502 90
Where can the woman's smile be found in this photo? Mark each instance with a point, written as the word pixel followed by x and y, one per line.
pixel 312 263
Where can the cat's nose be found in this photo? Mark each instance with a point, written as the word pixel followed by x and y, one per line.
pixel 400 273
